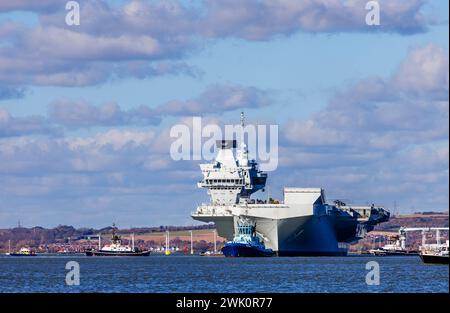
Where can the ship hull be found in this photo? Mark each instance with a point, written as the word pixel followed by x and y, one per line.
pixel 301 236
pixel 308 235
pixel 301 226
pixel 434 259
pixel 245 250
pixel 311 253
pixel 107 253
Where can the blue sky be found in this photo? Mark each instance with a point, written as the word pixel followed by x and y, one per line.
pixel 362 111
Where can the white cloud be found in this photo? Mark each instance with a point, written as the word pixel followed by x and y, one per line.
pixel 382 139
pixel 112 36
pixel 425 71
pixel 30 5
pixel 217 99
pixel 18 126
pixel 385 112
pixel 82 114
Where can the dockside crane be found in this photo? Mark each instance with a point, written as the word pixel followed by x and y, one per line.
pixel 404 230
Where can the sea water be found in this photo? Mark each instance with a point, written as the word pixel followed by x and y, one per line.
pixel 174 273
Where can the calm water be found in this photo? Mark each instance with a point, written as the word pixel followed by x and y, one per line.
pixel 209 274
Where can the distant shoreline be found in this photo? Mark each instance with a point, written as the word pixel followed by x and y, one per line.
pixel 74 239
pixel 426 214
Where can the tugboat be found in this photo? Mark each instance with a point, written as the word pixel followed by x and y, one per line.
pixel 396 248
pixel 437 255
pixel 116 248
pixel 23 252
pixel 246 243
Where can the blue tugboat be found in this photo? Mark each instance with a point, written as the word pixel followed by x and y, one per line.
pixel 246 244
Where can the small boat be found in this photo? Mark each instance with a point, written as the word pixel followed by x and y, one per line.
pixel 393 250
pixel 212 254
pixel 246 243
pixel 116 248
pixel 23 252
pixel 67 252
pixel 105 252
pixel 438 254
pixel 396 246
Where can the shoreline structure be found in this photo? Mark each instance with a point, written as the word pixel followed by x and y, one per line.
pixel 67 237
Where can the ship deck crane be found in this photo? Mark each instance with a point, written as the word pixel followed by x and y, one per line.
pixel 403 230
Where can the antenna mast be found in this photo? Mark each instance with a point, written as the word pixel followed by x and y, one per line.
pixel 242 127
pixel 215 241
pixel 192 243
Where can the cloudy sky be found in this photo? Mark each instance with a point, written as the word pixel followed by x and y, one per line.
pixel 86 111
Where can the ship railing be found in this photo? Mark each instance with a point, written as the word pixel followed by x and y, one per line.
pixel 226 210
pixel 267 205
pixel 211 210
pixel 221 184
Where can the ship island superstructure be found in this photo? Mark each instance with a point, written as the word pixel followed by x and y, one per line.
pixel 302 224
